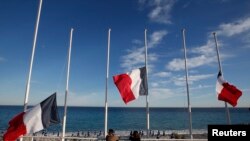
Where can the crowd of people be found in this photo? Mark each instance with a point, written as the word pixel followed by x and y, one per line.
pixel 135 136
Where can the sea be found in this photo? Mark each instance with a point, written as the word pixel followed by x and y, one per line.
pixel 91 119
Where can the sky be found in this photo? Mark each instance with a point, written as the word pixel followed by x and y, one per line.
pixel 127 19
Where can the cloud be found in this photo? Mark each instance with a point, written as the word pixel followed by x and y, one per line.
pixel 193 78
pixel 178 64
pixel 156 38
pixel 205 55
pixel 200 86
pixel 159 10
pixel 234 28
pixel 136 56
pixel 181 81
pixel 162 74
pixel 137 42
pixel 161 93
pixel 207 49
pixel 156 83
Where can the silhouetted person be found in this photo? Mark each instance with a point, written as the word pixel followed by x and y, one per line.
pixel 135 136
pixel 111 136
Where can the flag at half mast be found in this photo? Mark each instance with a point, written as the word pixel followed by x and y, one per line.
pixel 227 92
pixel 33 120
pixel 132 84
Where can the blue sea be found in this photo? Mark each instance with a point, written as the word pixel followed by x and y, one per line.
pixel 127 119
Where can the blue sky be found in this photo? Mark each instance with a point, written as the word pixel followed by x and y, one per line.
pixel 91 19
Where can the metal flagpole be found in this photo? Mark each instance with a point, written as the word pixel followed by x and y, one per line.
pixel 32 57
pixel 67 85
pixel 146 59
pixel 189 106
pixel 106 90
pixel 220 69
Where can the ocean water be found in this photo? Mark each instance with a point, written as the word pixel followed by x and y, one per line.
pixel 126 119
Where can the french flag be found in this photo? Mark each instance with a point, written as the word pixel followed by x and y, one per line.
pixel 132 84
pixel 33 120
pixel 227 92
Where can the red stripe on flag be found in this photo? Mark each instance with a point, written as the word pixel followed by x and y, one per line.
pixel 230 94
pixel 16 128
pixel 123 83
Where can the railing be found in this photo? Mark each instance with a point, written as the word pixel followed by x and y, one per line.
pixel 54 138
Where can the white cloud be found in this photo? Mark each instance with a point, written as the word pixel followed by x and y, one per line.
pixel 181 81
pixel 207 49
pixel 154 84
pixel 156 38
pixel 160 10
pixel 200 86
pixel 234 28
pixel 161 93
pixel 206 56
pixel 178 64
pixel 162 74
pixel 136 57
pixel 193 78
pixel 137 42
pixel 166 97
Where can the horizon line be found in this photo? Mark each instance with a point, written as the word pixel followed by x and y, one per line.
pixel 133 107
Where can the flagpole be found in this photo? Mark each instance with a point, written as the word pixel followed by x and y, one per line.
pixel 187 86
pixel 32 57
pixel 146 62
pixel 106 90
pixel 67 85
pixel 220 69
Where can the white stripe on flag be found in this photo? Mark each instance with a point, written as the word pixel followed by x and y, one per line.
pixel 33 119
pixel 219 87
pixel 219 84
pixel 136 82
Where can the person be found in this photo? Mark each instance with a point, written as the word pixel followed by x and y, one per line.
pixel 111 136
pixel 135 136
